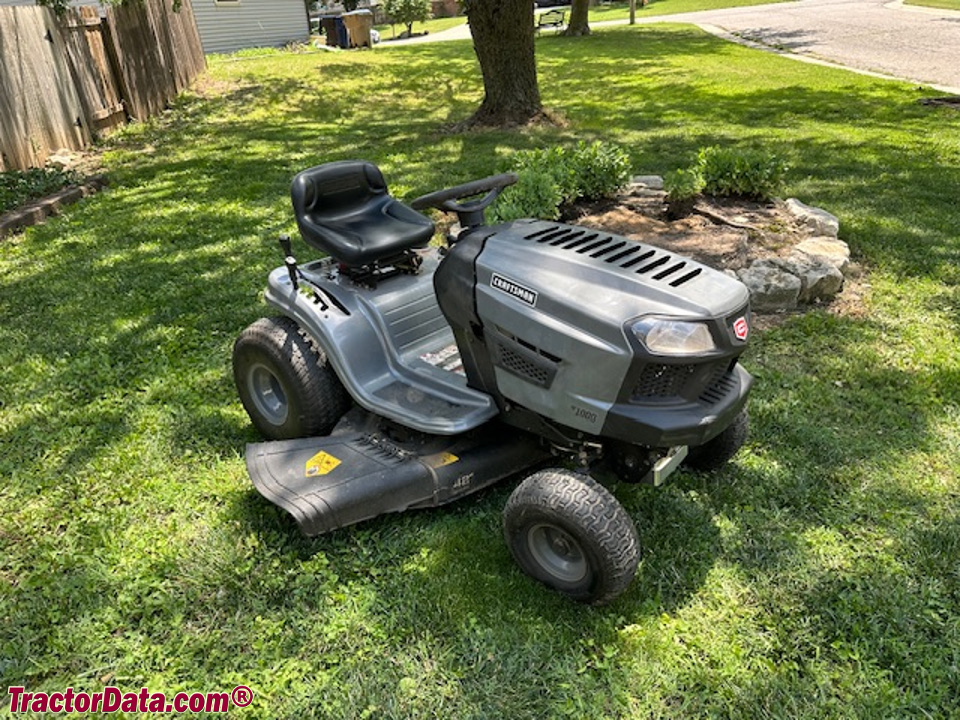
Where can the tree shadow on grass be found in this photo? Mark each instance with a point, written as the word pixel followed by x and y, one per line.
pixel 459 585
pixel 140 293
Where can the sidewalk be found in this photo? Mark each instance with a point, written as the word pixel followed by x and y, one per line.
pixel 876 37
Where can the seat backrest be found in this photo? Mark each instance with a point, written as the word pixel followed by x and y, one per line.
pixel 343 208
pixel 336 188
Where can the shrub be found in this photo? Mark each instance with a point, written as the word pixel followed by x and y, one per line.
pixel 554 162
pixel 683 184
pixel 599 169
pixel 682 188
pixel 553 177
pixel 536 195
pixel 753 174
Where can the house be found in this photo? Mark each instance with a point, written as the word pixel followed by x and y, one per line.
pixel 228 25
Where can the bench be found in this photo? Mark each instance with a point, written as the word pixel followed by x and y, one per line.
pixel 551 18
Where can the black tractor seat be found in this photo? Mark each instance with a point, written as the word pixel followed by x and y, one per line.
pixel 344 209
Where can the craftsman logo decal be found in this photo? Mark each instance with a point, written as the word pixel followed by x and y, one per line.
pixel 321 464
pixel 518 291
pixel 741 329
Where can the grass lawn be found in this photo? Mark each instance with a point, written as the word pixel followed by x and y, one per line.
pixel 611 11
pixel 943 4
pixel 431 26
pixel 816 576
pixel 621 10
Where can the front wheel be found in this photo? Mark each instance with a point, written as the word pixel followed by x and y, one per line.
pixel 717 452
pixel 568 532
pixel 285 383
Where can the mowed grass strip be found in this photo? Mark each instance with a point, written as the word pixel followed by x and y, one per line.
pixel 621 10
pixel 816 576
pixel 938 4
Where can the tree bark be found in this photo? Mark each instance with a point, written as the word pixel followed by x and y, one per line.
pixel 503 40
pixel 579 19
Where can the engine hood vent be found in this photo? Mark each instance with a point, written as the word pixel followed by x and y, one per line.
pixel 655 263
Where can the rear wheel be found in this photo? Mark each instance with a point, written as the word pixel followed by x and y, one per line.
pixel 567 531
pixel 716 453
pixel 285 383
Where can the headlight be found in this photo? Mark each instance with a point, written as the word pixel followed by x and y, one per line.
pixel 674 337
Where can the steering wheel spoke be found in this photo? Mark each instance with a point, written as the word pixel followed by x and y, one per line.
pixel 469 213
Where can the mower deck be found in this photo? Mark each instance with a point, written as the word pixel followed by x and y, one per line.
pixel 359 471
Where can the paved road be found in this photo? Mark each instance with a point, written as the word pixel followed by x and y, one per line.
pixel 917 44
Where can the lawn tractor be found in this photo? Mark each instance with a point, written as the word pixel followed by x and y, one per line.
pixel 401 375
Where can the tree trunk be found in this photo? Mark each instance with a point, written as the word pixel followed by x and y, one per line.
pixel 503 40
pixel 579 16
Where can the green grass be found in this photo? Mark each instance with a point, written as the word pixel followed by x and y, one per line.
pixel 621 10
pixel 435 25
pixel 21 186
pixel 941 4
pixel 816 576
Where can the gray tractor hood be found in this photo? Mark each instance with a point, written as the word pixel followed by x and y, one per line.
pixel 556 303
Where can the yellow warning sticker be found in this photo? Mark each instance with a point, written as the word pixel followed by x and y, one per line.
pixel 321 464
pixel 441 460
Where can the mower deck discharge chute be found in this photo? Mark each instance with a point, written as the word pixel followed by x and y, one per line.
pixel 404 376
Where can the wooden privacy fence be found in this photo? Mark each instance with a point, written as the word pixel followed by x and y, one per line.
pixel 64 81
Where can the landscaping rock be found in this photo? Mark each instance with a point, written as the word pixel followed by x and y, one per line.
pixel 819 280
pixel 771 287
pixel 826 249
pixel 819 221
pixel 786 253
pixel 651 182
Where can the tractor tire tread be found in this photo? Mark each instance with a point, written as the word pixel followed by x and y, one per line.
pixel 320 398
pixel 568 497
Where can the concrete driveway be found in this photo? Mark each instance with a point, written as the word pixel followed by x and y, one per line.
pixel 889 38
pixel 876 36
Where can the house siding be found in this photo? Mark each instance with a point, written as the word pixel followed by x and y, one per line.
pixel 226 27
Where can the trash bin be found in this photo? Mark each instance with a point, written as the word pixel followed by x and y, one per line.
pixel 343 38
pixel 359 23
pixel 329 24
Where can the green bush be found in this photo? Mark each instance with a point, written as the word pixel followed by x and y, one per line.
pixel 599 169
pixel 683 187
pixel 553 177
pixel 554 162
pixel 683 184
pixel 755 174
pixel 536 195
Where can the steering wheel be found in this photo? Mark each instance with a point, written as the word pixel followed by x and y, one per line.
pixel 470 213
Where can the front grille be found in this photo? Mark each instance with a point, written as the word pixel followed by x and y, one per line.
pixel 708 383
pixel 719 388
pixel 663 381
pixel 619 251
